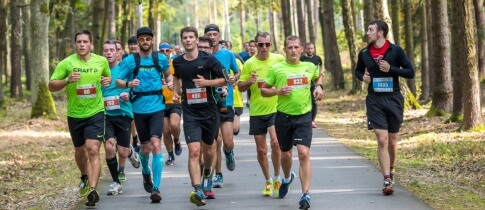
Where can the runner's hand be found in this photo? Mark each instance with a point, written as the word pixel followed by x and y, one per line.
pixel 169 85
pixel 318 93
pixel 135 83
pixel 232 79
pixel 366 77
pixel 105 81
pixel 253 78
pixel 285 90
pixel 125 96
pixel 384 66
pixel 74 77
pixel 175 98
pixel 200 82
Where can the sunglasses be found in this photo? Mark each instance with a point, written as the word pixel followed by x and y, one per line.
pixel 261 44
pixel 145 39
pixel 203 47
pixel 165 50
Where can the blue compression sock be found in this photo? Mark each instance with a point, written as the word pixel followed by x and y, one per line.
pixel 144 164
pixel 157 166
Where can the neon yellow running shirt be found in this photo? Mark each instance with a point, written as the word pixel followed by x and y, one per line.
pixel 260 105
pixel 238 100
pixel 297 76
pixel 84 98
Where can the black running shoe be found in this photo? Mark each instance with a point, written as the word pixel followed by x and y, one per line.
pixel 155 197
pixel 147 182
pixel 93 197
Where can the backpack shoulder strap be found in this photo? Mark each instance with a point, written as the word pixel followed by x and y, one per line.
pixel 155 62
pixel 137 64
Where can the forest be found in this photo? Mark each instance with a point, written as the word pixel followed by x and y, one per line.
pixel 443 39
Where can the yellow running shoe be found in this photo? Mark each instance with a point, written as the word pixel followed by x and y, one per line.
pixel 276 188
pixel 268 189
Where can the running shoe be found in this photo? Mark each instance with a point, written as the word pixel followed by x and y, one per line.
pixel 305 201
pixel 93 197
pixel 207 187
pixel 393 175
pixel 134 159
pixel 268 189
pixel 285 187
pixel 137 147
pixel 178 148
pixel 84 186
pixel 387 186
pixel 122 176
pixel 147 182
pixel 197 198
pixel 170 161
pixel 276 188
pixel 314 125
pixel 230 161
pixel 115 189
pixel 155 197
pixel 218 181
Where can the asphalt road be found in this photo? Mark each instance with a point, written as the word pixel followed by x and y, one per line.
pixel 341 179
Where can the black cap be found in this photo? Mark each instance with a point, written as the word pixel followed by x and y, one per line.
pixel 144 30
pixel 132 40
pixel 211 27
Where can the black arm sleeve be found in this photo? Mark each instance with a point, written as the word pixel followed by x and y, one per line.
pixel 405 68
pixel 360 67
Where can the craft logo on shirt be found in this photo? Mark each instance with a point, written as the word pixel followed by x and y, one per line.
pixel 200 67
pixel 81 70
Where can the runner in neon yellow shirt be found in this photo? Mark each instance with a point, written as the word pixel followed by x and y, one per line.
pixel 291 80
pixel 263 110
pixel 83 74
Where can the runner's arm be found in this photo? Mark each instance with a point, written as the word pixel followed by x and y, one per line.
pixel 57 85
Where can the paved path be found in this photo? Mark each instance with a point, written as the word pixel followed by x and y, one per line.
pixel 341 179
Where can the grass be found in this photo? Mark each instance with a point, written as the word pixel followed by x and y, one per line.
pixel 441 165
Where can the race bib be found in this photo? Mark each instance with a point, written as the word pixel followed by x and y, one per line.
pixel 196 95
pixel 112 102
pixel 383 85
pixel 297 81
pixel 260 82
pixel 86 91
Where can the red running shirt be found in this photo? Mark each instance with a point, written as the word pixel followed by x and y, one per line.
pixel 378 53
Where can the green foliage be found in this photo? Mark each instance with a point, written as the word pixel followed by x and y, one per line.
pixel 410 102
pixel 44 106
pixel 454 117
pixel 433 111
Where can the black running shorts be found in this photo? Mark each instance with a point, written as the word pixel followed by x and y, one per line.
pixel 258 125
pixel 227 116
pixel 149 125
pixel 197 129
pixel 86 128
pixel 119 127
pixel 172 108
pixel 385 112
pixel 293 129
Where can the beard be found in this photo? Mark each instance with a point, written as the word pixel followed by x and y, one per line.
pixel 144 48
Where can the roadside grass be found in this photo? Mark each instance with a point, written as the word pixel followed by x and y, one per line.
pixel 441 165
pixel 37 159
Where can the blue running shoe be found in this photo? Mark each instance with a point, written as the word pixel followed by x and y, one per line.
pixel 178 147
pixel 230 161
pixel 207 187
pixel 285 187
pixel 218 181
pixel 305 201
pixel 197 198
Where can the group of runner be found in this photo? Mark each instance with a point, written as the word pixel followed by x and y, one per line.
pixel 153 89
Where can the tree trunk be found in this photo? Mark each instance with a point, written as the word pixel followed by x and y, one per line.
pixel 480 22
pixel 311 21
pixel 227 28
pixel 348 19
pixel 332 56
pixel 395 13
pixel 301 21
pixel 259 20
pixel 123 14
pixel 424 55
pixel 16 49
pixel 68 32
pixel 429 22
pixel 242 16
pixel 42 98
pixel 368 16
pixel 97 24
pixel 196 10
pixel 286 11
pixel 274 30
pixel 457 64
pixel 382 13
pixel 464 14
pixel 442 94
pixel 408 28
pixel 3 50
pixel 152 22
pixel 26 42
pixel 111 19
